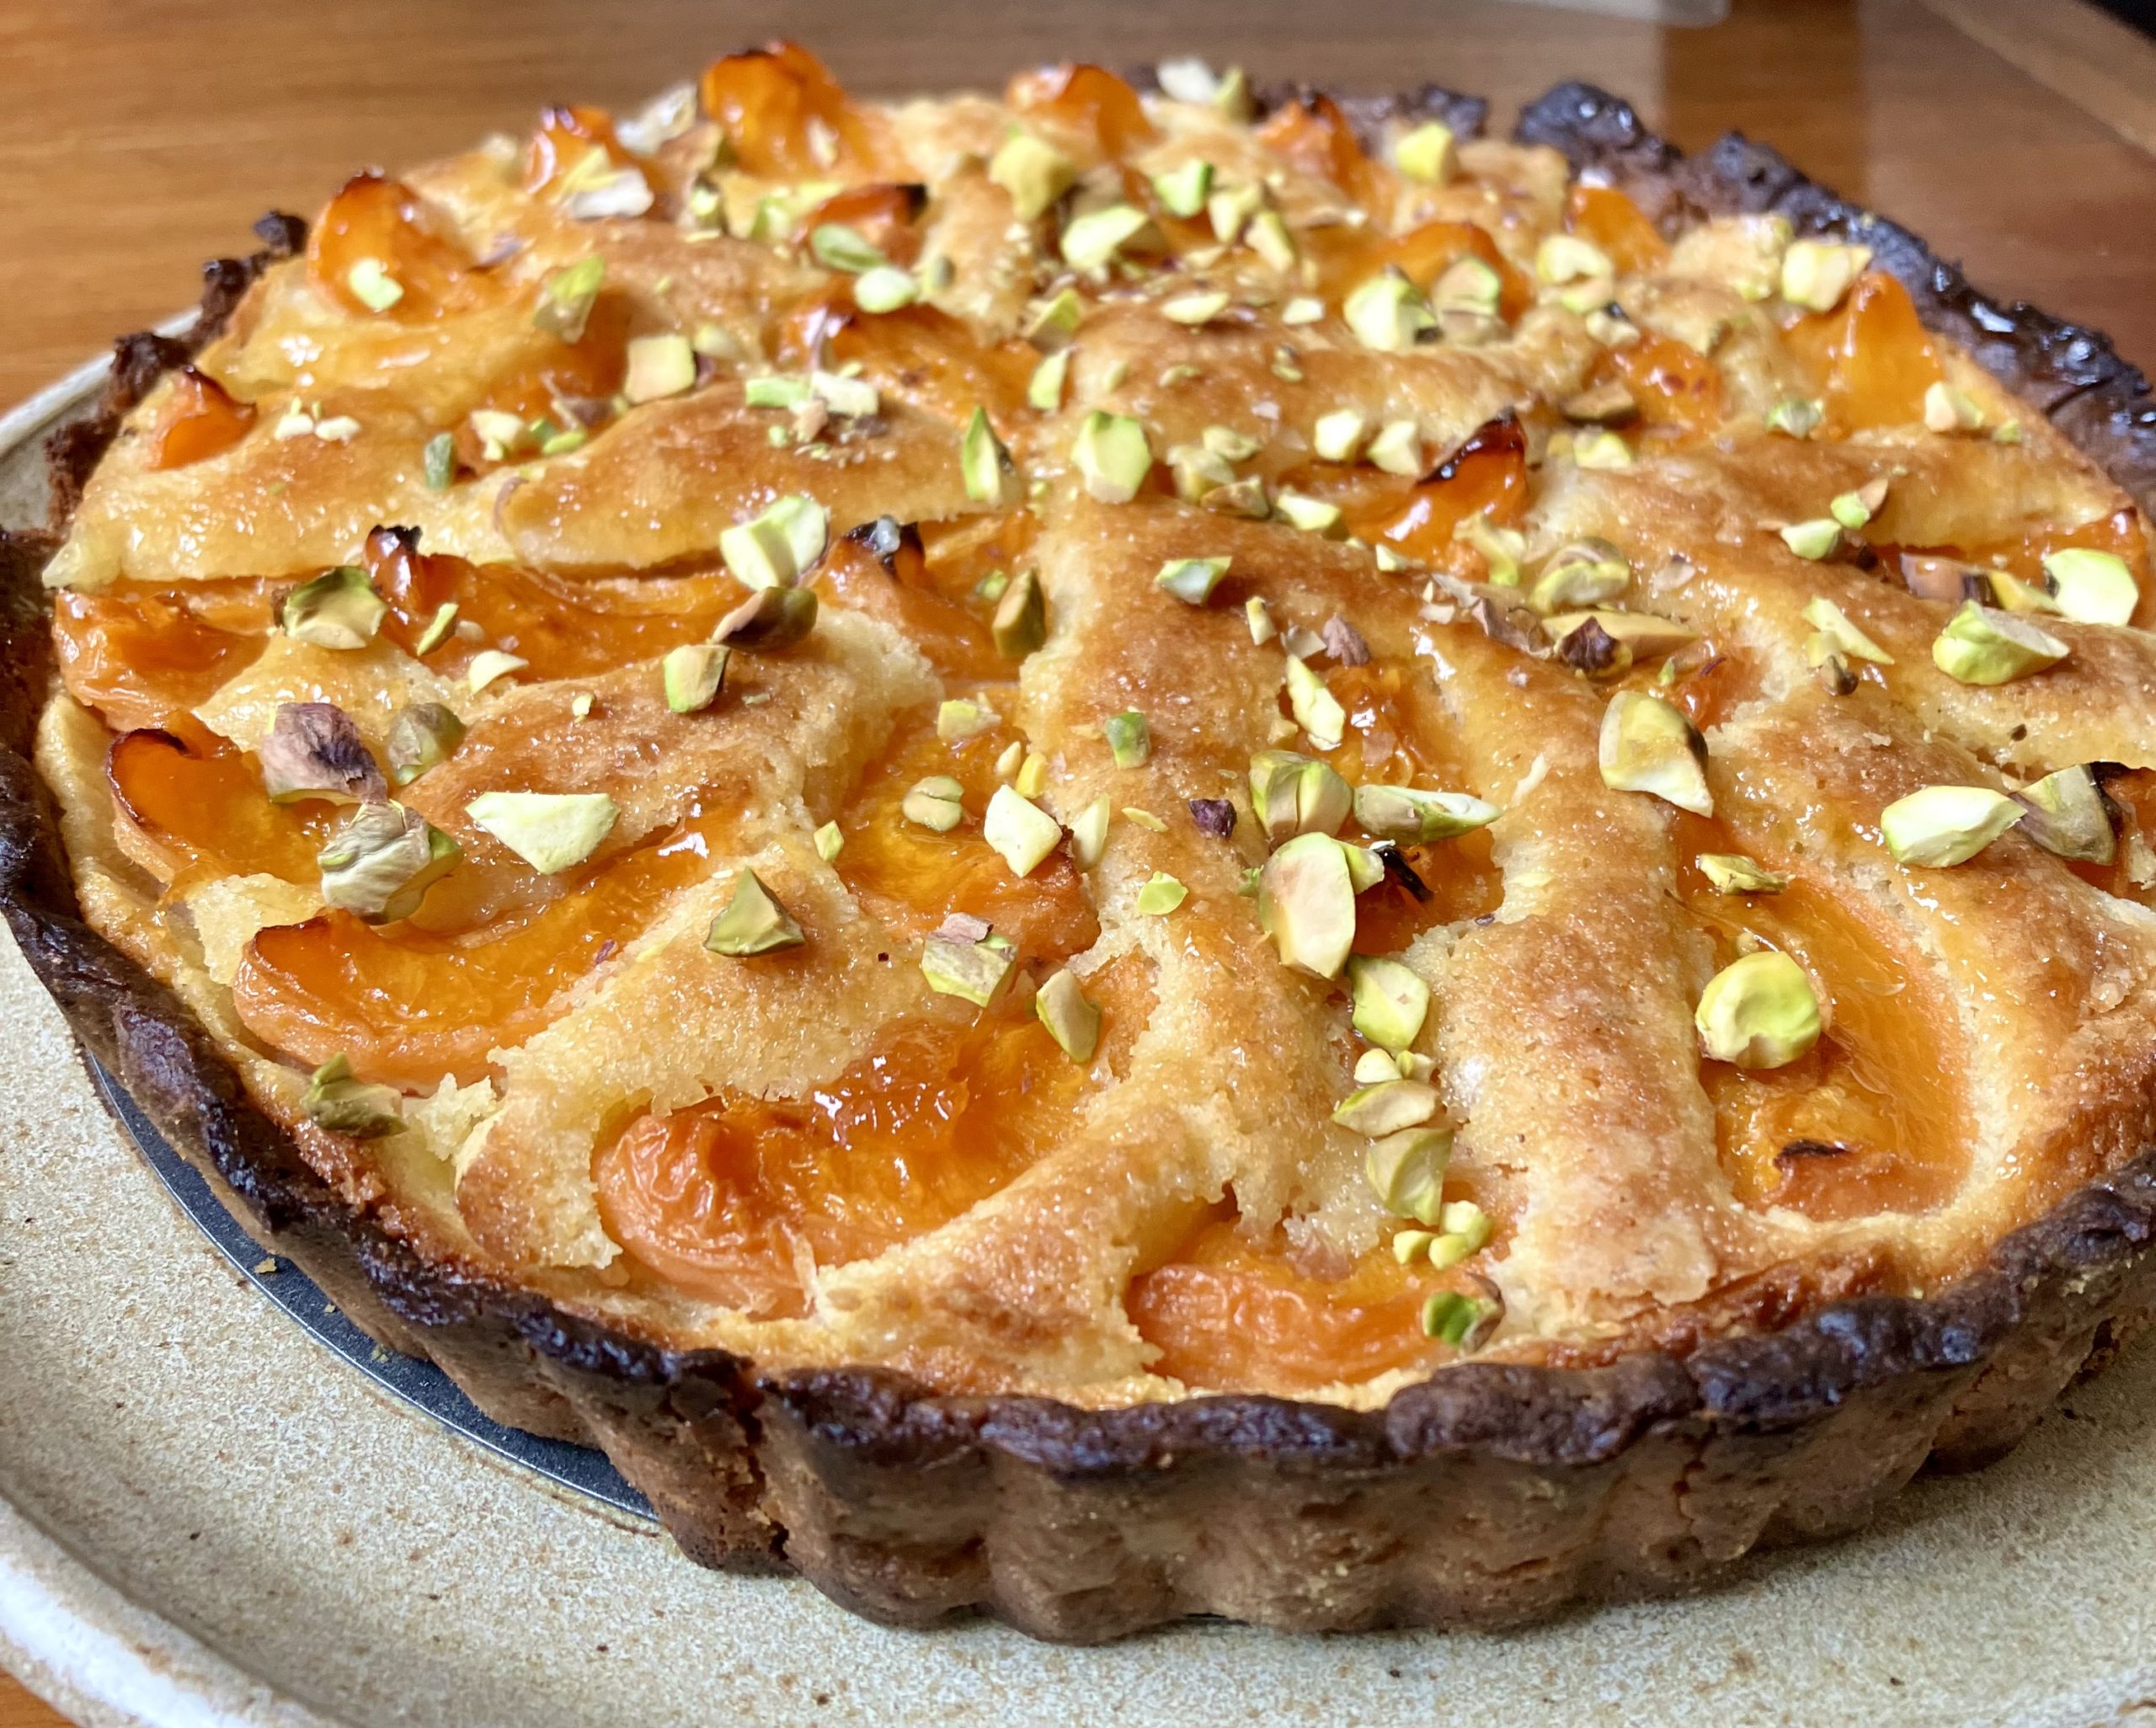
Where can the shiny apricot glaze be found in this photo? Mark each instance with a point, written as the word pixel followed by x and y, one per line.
pixel 564 138
pixel 885 216
pixel 199 800
pixel 200 419
pixel 1678 389
pixel 1611 221
pixel 943 616
pixel 1870 359
pixel 139 654
pixel 722 1199
pixel 2120 533
pixel 1231 1315
pixel 1346 257
pixel 384 220
pixel 564 628
pixel 2131 794
pixel 933 356
pixel 786 116
pixel 1314 138
pixel 1487 472
pixel 1873 1118
pixel 1087 101
pixel 408 1005
pixel 911 877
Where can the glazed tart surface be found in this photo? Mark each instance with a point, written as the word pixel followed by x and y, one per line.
pixel 1103 745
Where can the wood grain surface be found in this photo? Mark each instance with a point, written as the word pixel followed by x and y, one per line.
pixel 139 137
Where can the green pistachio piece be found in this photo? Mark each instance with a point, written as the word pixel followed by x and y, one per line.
pixel 1584 573
pixel 975 972
pixel 1072 1021
pixel 1643 635
pixel 1373 1066
pixel 1980 646
pixel 336 1102
pixel 1161 895
pixel 1469 286
pixel 1091 241
pixel 1044 391
pixel 693 674
pixel 777 548
pixel 1230 445
pixel 937 802
pixel 1831 622
pixel 566 298
pixel 438 461
pixel 421 736
pixel 1795 416
pixel 1454 1318
pixel 1386 1108
pixel 1409 1246
pixel 1412 816
pixel 1464 1229
pixel 1397 449
pixel 829 842
pixel 1291 795
pixel 1759 1011
pixel 660 367
pixel 837 247
pixel 1239 498
pixel 372 286
pixel 1649 746
pixel 1197 471
pixel 1503 549
pixel 1021 622
pixel 1033 173
pixel 1182 190
pixel 489 664
pixel 1387 313
pixel 1032 775
pixel 991 475
pixel 1259 616
pixel 1089 834
pixel 438 628
pixel 2092 587
pixel 1601 449
pixel 1940 826
pixel 1194 309
pixel 1365 869
pixel 1129 738
pixel 1054 322
pixel 1428 153
pixel 777 390
pixel 550 831
pixel 338 610
pixel 1816 273
pixel 1733 873
pixel 1112 455
pixel 1008 762
pixel 1312 515
pixel 885 288
pixel 848 398
pixel 752 923
pixel 381 861
pixel 1313 706
pixel 1566 258
pixel 1192 580
pixel 1406 1171
pixel 2067 815
pixel 1306 904
pixel 1854 509
pixel 314 751
pixel 1391 1002
pixel 1946 409
pixel 1020 830
pixel 959 718
pixel 1230 208
pixel 1816 539
pixel 769 620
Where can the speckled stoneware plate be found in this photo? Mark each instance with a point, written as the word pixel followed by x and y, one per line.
pixel 209 1517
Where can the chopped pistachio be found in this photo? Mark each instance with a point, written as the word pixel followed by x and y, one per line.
pixel 488 665
pixel 1291 794
pixel 837 247
pixel 1386 1108
pixel 1795 416
pixel 1019 830
pixel 1428 153
pixel 1649 746
pixel 1306 904
pixel 1644 636
pixel 1854 510
pixel 1055 322
pixel 563 443
pixel 1733 873
pixel 567 296
pixel 1072 1021
pixel 1834 624
pixel 1313 515
pixel 344 1105
pixel 1758 1011
pixel 1453 1318
pixel 1266 235
pixel 831 841
pixel 990 476
pixel 1183 191
pixel 1032 775
pixel 1940 826
pixel 1315 708
pixel 752 923
pixel 1582 572
pixel 1259 616
pixel 1816 273
pixel 885 288
pixel 936 802
pixel 1464 1229
pixel 1091 241
pixel 1566 258
pixel 421 736
pixel 1194 309
pixel 1469 285
pixel 1197 471
pixel 1601 449
pixel 314 751
pixel 1388 313
pixel 1009 761
pixel 660 367
pixel 550 831
pixel 959 718
pixel 1409 1246
pixel 1232 97
pixel 1365 867
pixel 777 548
pixel 1033 173
pixel 1230 445
pixel 1112 455
pixel 1373 1066
pixel 777 390
pixel 771 620
pixel 1240 498
pixel 1391 1002
pixel 499 433
pixel 338 610
pixel 372 286
pixel 1407 1170
pixel 1816 539
pixel 1339 435
pixel 2067 815
pixel 1979 646
pixel 1389 561
pixel 580 705
pixel 1044 390
pixel 2010 593
pixel 1089 834
pixel 1397 449
pixel 1302 309
pixel 438 461
pixel 1946 409
pixel 2092 587
pixel 1192 580
pixel 1129 738
pixel 1227 209
pixel 693 674
pixel 1021 622
pixel 1161 895
pixel 381 859
pixel 847 397
pixel 1412 816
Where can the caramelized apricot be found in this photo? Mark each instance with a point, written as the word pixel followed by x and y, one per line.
pixel 139 655
pixel 1344 256
pixel 1088 100
pixel 950 625
pixel 784 114
pixel 1487 472
pixel 884 216
pixel 200 802
pixel 1870 360
pixel 1314 138
pixel 564 137
pixel 928 354
pixel 1677 388
pixel 1606 216
pixel 383 221
pixel 199 420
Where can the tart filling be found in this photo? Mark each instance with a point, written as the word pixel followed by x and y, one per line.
pixel 1085 746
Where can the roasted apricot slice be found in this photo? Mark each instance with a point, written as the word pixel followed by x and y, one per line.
pixel 1606 216
pixel 382 224
pixel 1871 357
pixel 1088 99
pixel 200 802
pixel 140 654
pixel 200 419
pixel 784 114
pixel 1487 472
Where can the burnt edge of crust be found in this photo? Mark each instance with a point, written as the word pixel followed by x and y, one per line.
pixel 1537 1487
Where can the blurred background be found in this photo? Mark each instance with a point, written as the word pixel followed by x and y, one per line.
pixel 139 137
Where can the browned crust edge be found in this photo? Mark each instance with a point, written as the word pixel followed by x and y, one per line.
pixel 1490 1495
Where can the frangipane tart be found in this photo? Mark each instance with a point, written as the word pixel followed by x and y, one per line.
pixel 1139 849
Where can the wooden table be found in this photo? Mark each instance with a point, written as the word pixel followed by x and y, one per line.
pixel 136 141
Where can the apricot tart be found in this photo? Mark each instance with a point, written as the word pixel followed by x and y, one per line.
pixel 1136 850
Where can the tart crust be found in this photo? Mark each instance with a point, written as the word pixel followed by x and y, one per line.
pixel 1528 1486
